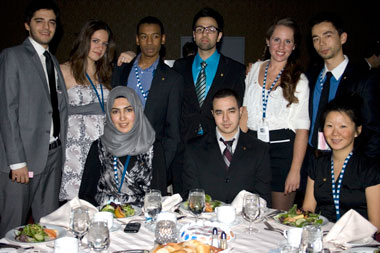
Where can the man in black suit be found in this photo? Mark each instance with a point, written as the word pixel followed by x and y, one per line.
pixel 159 87
pixel 221 168
pixel 328 39
pixel 220 72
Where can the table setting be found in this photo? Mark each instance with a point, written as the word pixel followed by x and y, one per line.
pixel 164 225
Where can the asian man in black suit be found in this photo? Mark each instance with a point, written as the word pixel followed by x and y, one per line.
pixel 223 168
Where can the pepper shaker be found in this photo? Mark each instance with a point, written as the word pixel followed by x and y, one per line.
pixel 223 241
pixel 215 238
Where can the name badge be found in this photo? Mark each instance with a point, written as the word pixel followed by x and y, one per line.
pixel 263 132
pixel 322 144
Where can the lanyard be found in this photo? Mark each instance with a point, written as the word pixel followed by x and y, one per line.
pixel 101 102
pixel 336 189
pixel 124 171
pixel 139 85
pixel 266 97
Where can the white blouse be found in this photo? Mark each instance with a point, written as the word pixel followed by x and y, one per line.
pixel 278 115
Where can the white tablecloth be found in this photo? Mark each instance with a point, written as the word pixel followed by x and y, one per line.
pixel 263 241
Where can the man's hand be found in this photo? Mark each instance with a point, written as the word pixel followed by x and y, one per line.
pixel 21 175
pixel 125 57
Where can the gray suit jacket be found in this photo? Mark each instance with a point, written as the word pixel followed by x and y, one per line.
pixel 25 108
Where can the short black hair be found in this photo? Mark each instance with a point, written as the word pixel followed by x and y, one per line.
pixel 189 48
pixel 330 17
pixel 208 12
pixel 223 93
pixel 36 5
pixel 372 49
pixel 349 104
pixel 150 20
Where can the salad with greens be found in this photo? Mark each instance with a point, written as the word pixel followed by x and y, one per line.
pixel 35 233
pixel 119 211
pixel 209 206
pixel 298 218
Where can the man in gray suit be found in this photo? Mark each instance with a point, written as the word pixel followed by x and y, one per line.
pixel 33 118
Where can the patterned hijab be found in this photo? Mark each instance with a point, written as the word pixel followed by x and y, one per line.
pixel 139 139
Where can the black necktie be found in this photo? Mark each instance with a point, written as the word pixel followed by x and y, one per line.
pixel 53 93
pixel 227 153
pixel 323 101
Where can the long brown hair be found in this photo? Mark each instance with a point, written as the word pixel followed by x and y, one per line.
pixel 292 70
pixel 81 47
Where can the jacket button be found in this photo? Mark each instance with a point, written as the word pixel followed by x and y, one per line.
pixel 227 180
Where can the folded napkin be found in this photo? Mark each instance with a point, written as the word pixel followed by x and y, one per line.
pixel 169 203
pixel 350 227
pixel 61 216
pixel 238 202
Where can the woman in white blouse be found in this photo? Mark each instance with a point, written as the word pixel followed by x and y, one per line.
pixel 276 109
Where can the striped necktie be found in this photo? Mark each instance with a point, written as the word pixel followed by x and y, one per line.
pixel 200 86
pixel 227 153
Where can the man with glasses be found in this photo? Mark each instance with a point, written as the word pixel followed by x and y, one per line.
pixel 205 73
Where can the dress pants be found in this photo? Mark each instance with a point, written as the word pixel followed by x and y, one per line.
pixel 40 194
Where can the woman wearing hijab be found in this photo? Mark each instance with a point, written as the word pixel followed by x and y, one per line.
pixel 119 164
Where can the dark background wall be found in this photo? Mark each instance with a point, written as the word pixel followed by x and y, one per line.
pixel 249 18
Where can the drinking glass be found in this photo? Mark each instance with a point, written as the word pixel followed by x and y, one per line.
pixel 152 205
pixel 251 210
pixel 98 235
pixel 79 222
pixel 197 202
pixel 311 241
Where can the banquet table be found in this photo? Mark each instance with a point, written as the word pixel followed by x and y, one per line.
pixel 263 241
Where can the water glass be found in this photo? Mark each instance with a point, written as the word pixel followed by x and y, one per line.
pixel 152 205
pixel 79 222
pixel 312 239
pixel 98 236
pixel 251 210
pixel 197 202
pixel 166 228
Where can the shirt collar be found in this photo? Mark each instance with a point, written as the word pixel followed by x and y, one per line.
pixel 40 49
pixel 210 61
pixel 150 68
pixel 338 71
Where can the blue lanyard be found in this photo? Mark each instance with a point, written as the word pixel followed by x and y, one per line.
pixel 124 171
pixel 265 98
pixel 101 102
pixel 336 189
pixel 139 84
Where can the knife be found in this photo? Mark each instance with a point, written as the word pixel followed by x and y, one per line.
pixel 6 245
pixel 132 251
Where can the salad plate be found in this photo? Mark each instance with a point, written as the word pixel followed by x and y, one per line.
pixel 298 218
pixel 111 208
pixel 11 234
pixel 184 206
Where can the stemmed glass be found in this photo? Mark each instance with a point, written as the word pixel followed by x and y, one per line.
pixel 251 210
pixel 152 205
pixel 98 235
pixel 79 222
pixel 197 202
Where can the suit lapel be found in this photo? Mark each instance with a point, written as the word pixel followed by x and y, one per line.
pixel 188 75
pixel 154 90
pixel 238 155
pixel 219 166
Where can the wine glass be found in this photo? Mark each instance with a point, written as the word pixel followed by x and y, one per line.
pixel 98 235
pixel 79 222
pixel 152 205
pixel 251 210
pixel 197 202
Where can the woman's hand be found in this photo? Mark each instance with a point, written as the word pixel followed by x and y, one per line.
pixel 292 182
pixel 125 57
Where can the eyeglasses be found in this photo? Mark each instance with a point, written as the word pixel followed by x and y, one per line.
pixel 209 29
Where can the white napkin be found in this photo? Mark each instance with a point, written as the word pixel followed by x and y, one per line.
pixel 238 202
pixel 350 227
pixel 169 203
pixel 61 216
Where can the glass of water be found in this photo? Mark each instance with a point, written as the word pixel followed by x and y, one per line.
pixel 251 210
pixel 79 222
pixel 98 236
pixel 152 205
pixel 312 239
pixel 197 202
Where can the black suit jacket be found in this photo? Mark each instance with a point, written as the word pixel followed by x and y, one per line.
pixel 163 105
pixel 353 81
pixel 230 74
pixel 249 169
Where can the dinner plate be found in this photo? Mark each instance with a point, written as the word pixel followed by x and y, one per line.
pixel 325 221
pixel 361 250
pixel 137 209
pixel 184 207
pixel 10 235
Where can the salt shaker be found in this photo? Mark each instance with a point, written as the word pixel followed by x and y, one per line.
pixel 223 241
pixel 215 238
